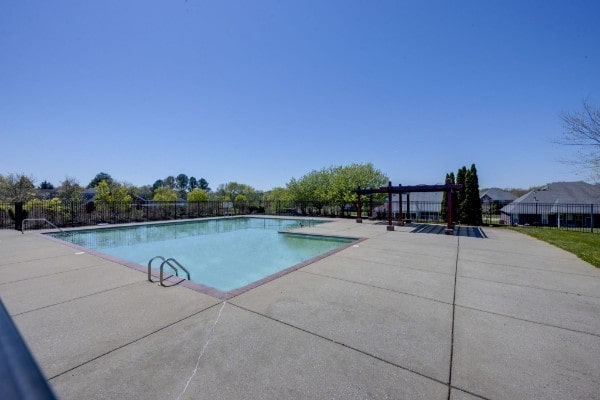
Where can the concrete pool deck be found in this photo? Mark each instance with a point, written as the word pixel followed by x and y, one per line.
pixel 400 315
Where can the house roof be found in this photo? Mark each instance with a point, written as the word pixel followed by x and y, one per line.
pixel 563 192
pixel 555 196
pixel 46 194
pixel 496 194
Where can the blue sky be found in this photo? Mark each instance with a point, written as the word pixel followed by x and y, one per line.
pixel 262 91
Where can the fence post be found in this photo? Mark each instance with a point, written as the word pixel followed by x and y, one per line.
pixel 18 215
pixel 591 218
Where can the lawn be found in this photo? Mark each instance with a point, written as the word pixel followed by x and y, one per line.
pixel 584 245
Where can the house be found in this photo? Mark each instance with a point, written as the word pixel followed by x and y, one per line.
pixel 46 194
pixel 88 195
pixel 497 196
pixel 573 204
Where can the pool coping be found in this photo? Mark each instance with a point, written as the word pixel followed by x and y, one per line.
pixel 208 290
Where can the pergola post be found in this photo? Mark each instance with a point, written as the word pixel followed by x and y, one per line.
pixel 400 206
pixel 390 227
pixel 370 207
pixel 449 213
pixel 359 209
pixel 408 219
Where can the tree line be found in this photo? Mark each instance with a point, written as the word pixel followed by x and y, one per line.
pixel 327 186
pixel 330 186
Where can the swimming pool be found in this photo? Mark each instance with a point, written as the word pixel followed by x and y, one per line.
pixel 224 254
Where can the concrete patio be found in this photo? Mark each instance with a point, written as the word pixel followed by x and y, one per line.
pixel 398 316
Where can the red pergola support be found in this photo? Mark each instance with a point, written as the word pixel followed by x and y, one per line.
pixel 390 227
pixel 408 220
pixel 400 223
pixel 449 215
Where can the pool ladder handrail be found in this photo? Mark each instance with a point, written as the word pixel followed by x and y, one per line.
pixel 38 219
pixel 169 262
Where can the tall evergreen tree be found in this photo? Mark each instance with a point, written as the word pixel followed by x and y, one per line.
pixel 454 198
pixel 46 185
pixel 461 177
pixel 203 184
pixel 102 176
pixel 192 184
pixel 472 203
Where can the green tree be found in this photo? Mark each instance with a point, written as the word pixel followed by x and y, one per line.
pixel 16 188
pixel 278 194
pixel 69 190
pixel 229 191
pixel 334 185
pixel 53 206
pixel 164 193
pixel 102 176
pixel 170 182
pixel 107 193
pixel 311 190
pixel 471 205
pixel 193 183
pixel 158 183
pixel 46 185
pixel 346 179
pixel 197 195
pixel 461 177
pixel 181 184
pixel 203 184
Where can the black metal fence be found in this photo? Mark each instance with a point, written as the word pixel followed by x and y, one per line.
pixel 582 217
pixel 76 214
pixel 7 215
pixel 579 217
pixel 417 211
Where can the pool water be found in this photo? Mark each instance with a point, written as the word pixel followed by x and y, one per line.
pixel 225 254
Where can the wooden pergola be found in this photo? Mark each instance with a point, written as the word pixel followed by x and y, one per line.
pixel 449 188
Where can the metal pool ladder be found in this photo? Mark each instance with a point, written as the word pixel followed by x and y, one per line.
pixel 171 262
pixel 38 219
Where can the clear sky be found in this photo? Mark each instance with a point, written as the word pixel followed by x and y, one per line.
pixel 261 91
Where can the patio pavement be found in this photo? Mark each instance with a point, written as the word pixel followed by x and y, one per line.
pixel 398 316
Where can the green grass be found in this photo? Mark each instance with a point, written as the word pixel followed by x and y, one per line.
pixel 584 245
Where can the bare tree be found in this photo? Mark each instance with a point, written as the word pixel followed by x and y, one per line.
pixel 582 130
pixel 17 187
pixel 70 190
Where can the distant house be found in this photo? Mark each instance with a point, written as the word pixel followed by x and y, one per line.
pixel 492 200
pixel 575 204
pixel 46 194
pixel 89 195
pixel 497 196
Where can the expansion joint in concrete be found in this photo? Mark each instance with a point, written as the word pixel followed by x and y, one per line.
pixel 453 317
pixel 341 344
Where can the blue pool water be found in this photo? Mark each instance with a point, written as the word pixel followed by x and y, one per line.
pixel 221 253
